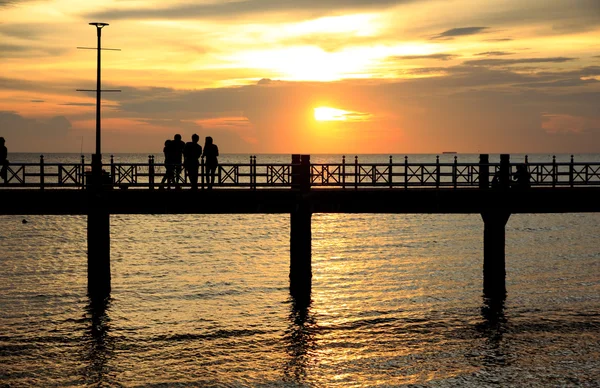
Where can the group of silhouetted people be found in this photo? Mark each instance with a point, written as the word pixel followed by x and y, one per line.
pixel 521 178
pixel 178 153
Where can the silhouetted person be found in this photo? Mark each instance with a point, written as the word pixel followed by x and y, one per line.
pixel 496 180
pixel 169 164
pixel 3 160
pixel 522 177
pixel 191 155
pixel 211 151
pixel 178 145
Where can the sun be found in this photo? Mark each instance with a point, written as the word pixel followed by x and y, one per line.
pixel 325 113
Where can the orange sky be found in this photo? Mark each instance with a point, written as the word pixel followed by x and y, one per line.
pixel 288 76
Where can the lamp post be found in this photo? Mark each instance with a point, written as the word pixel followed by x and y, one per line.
pixel 97 157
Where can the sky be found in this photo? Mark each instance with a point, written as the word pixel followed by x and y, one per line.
pixel 304 76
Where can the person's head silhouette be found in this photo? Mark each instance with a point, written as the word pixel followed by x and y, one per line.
pixel 167 143
pixel 208 141
pixel 195 138
pixel 2 141
pixel 177 137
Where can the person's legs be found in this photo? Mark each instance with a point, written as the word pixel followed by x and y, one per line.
pixel 193 175
pixel 210 179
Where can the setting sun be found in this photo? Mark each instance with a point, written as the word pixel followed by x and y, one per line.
pixel 324 113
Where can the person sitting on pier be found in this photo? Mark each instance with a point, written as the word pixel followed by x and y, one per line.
pixel 3 160
pixel 178 145
pixel 169 164
pixel 522 177
pixel 211 151
pixel 191 155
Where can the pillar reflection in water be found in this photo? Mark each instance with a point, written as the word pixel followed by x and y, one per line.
pixel 493 328
pixel 300 341
pixel 99 345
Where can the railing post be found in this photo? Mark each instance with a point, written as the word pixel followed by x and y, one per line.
pixel 455 172
pixel 484 171
pixel 571 172
pixel 82 173
pixel 251 173
pixel 295 171
pixel 219 175
pixel 254 172
pixel 356 173
pixel 438 175
pixel 504 171
pixel 343 171
pixel 42 172
pixel 113 170
pixel 554 171
pixel 305 173
pixel 390 172
pixel 151 172
pixel 406 172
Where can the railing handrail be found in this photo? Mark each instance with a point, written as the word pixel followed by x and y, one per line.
pixel 348 174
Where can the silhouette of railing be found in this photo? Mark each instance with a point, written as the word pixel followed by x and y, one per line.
pixel 253 175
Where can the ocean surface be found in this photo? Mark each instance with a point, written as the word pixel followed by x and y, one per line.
pixel 203 300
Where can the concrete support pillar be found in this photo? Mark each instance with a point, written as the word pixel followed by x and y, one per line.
pixel 494 269
pixel 300 252
pixel 98 230
pixel 300 229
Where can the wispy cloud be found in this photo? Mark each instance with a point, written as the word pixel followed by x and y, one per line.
pixel 463 31
pixel 231 9
pixel 505 62
pixel 494 53
pixel 78 104
pixel 441 57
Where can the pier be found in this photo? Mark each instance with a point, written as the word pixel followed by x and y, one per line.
pixel 302 188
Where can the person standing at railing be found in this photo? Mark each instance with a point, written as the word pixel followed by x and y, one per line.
pixel 178 145
pixel 169 164
pixel 191 160
pixel 522 177
pixel 3 160
pixel 211 151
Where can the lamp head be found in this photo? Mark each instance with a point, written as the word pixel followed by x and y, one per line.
pixel 98 24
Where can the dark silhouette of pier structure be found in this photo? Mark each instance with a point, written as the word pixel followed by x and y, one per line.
pixel 301 188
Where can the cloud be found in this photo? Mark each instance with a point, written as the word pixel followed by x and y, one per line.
pixel 499 40
pixel 559 83
pixel 78 104
pixel 232 9
pixel 565 123
pixel 23 133
pixel 494 53
pixel 463 31
pixel 505 62
pixel 441 57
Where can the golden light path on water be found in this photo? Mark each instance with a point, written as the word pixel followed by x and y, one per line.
pixel 396 300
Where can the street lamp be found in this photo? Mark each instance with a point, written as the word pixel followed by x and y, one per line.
pixel 97 157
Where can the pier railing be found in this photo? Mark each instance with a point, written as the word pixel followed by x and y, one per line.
pixel 347 174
